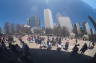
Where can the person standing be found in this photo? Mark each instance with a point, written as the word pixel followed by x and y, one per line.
pixel 49 45
pixel 75 49
pixel 66 46
pixel 53 41
pixel 84 48
pixel 59 47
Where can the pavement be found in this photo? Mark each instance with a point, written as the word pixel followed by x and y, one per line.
pixel 71 45
pixel 53 56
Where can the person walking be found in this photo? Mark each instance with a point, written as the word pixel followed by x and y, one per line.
pixel 84 48
pixel 75 49
pixel 49 45
pixel 66 46
pixel 59 47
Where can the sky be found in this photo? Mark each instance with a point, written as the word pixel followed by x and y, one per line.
pixel 92 3
pixel 18 11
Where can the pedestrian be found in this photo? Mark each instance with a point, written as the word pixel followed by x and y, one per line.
pixel 59 47
pixel 66 46
pixel 53 41
pixel 42 45
pixel 93 44
pixel 84 48
pixel 49 45
pixel 75 49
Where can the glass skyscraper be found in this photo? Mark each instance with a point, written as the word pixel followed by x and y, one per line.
pixel 48 18
pixel 34 21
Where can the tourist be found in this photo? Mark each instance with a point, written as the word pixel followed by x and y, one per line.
pixel 59 47
pixel 66 46
pixel 84 48
pixel 43 45
pixel 75 49
pixel 53 41
pixel 49 45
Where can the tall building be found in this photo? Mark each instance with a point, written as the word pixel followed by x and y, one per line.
pixel 65 22
pixel 0 30
pixel 48 18
pixel 92 31
pixel 86 28
pixel 93 21
pixel 76 28
pixel 34 21
pixel 9 28
pixel 20 28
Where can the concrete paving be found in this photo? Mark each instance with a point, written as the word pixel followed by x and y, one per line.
pixel 71 45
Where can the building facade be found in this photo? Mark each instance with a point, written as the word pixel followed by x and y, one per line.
pixel 9 28
pixel 48 19
pixel 86 28
pixel 34 21
pixel 76 28
pixel 0 30
pixel 65 22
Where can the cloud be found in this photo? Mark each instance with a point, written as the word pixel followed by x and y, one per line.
pixel 92 3
pixel 35 8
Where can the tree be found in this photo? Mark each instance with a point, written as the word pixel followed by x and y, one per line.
pixel 58 31
pixel 65 32
pixel 49 31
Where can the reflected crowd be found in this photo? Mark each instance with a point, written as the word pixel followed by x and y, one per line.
pixel 13 53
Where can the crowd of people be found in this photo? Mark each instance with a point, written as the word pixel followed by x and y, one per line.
pixel 57 42
pixel 13 53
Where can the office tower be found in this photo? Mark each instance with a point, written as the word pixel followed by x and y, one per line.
pixel 57 15
pixel 65 22
pixel 93 21
pixel 9 28
pixel 76 28
pixel 20 28
pixel 92 31
pixel 34 21
pixel 86 28
pixel 0 30
pixel 48 19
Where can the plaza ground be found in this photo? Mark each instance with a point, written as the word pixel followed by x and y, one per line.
pixel 89 52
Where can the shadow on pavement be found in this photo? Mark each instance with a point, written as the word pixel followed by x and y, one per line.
pixel 53 56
